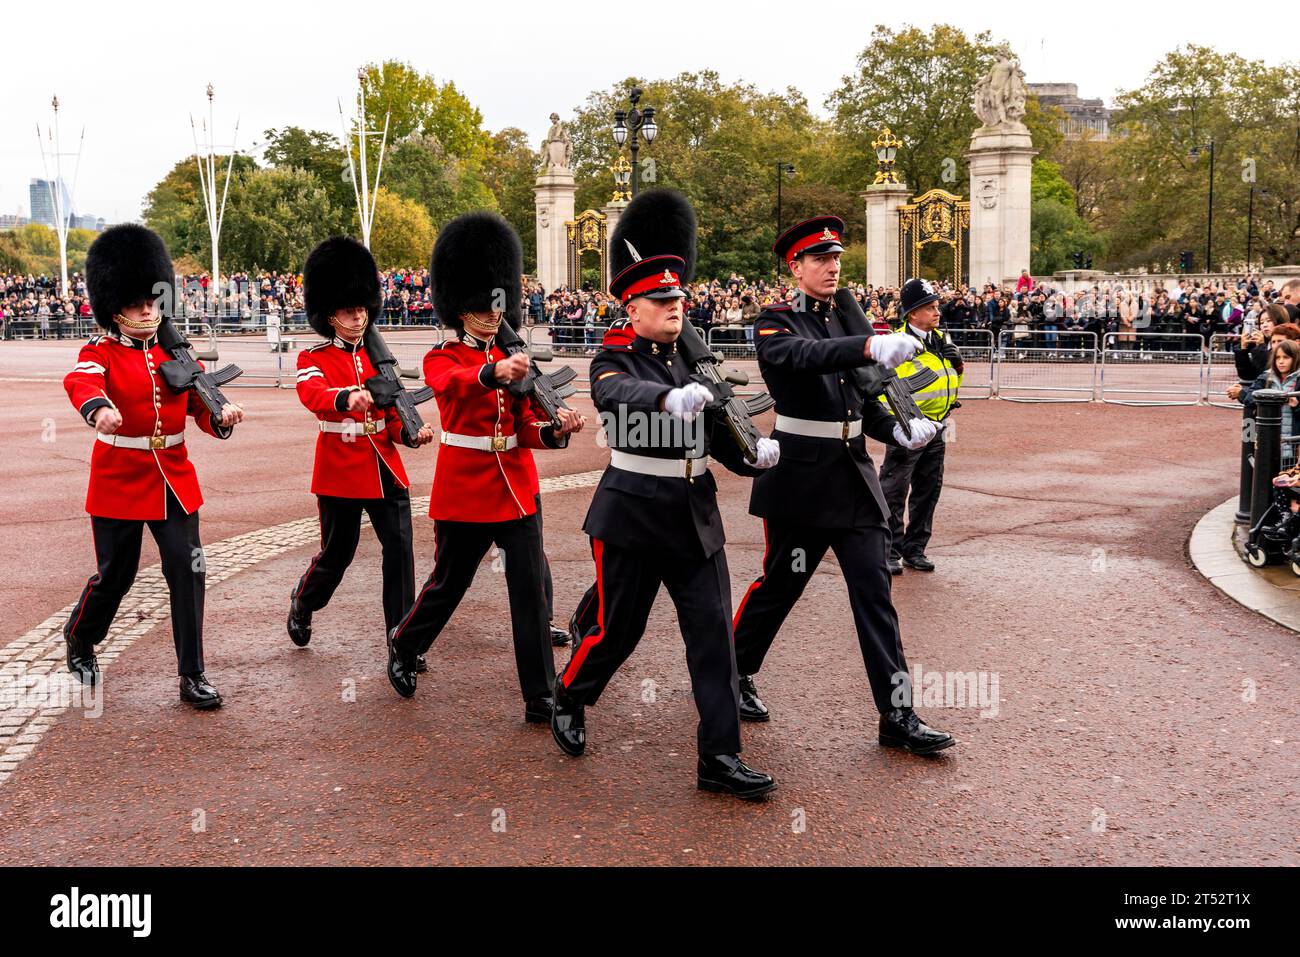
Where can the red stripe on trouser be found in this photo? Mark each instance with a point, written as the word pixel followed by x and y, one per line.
pixel 302 582
pixel 85 592
pixel 767 547
pixel 423 591
pixel 592 640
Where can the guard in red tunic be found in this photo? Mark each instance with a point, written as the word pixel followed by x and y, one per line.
pixel 358 468
pixel 140 471
pixel 485 486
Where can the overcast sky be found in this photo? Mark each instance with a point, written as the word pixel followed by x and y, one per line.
pixel 132 73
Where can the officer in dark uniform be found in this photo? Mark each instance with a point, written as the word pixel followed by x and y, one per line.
pixel 824 494
pixel 920 471
pixel 357 468
pixel 140 470
pixel 654 518
pixel 485 486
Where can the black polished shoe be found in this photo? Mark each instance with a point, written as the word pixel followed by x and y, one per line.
pixel 919 562
pixel 82 662
pixel 895 565
pixel 559 637
pixel 730 775
pixel 196 690
pixel 401 671
pixel 751 706
pixel 538 710
pixel 299 623
pixel 568 722
pixel 421 666
pixel 903 728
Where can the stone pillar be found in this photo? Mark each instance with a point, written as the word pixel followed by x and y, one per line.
pixel 882 201
pixel 612 213
pixel 1000 162
pixel 554 197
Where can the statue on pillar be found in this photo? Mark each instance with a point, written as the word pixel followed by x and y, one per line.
pixel 557 149
pixel 1000 96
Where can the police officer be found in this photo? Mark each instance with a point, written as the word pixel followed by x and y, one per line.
pixel 357 468
pixel 920 470
pixel 824 493
pixel 140 470
pixel 485 487
pixel 654 518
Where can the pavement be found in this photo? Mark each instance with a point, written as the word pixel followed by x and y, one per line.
pixel 1130 713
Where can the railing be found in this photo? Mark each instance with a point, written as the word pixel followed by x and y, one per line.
pixel 977 354
pixel 1133 364
pixel 1048 366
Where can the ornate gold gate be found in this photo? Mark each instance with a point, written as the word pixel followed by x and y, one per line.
pixel 934 217
pixel 586 234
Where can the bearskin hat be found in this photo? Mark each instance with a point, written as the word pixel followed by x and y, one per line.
pixel 126 264
pixel 339 273
pixel 477 259
pixel 659 222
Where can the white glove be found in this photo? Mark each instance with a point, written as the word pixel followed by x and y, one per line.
pixel 769 453
pixel 894 349
pixel 688 401
pixel 923 430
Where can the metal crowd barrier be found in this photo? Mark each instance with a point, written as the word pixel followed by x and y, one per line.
pixel 1134 368
pixel 732 342
pixel 569 340
pixel 1221 371
pixel 1048 366
pixel 977 354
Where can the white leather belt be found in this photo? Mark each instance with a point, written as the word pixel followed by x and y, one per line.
pixel 664 468
pixel 352 427
pixel 815 429
pixel 484 443
pixel 141 441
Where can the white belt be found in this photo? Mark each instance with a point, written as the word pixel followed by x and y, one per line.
pixel 484 443
pixel 352 427
pixel 141 441
pixel 814 429
pixel 664 468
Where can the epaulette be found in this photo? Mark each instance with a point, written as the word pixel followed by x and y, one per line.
pixel 319 345
pixel 779 307
pixel 95 340
pixel 618 336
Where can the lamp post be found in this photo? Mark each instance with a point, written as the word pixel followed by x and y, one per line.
pixel 787 169
pixel 886 146
pixel 205 155
pixel 366 200
pixel 635 123
pixel 1209 221
pixel 62 210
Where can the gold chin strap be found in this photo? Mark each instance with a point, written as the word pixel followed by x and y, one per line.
pixel 134 324
pixel 360 332
pixel 478 328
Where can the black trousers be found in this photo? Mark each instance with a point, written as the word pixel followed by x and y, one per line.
pixel 458 549
pixel 340 531
pixel 627 581
pixel 921 473
pixel 793 554
pixel 117 555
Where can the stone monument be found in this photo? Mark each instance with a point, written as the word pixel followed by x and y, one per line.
pixel 554 197
pixel 883 198
pixel 1001 157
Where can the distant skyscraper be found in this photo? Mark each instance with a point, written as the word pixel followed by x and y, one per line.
pixel 43 203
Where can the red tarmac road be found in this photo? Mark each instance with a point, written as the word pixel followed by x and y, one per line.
pixel 1124 731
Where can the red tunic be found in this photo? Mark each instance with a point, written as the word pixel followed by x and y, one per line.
pixel 347 464
pixel 471 485
pixel 132 483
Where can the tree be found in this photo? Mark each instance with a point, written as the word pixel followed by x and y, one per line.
pixel 402 235
pixel 274 218
pixel 174 208
pixel 1056 230
pixel 921 86
pixel 316 152
pixel 419 169
pixel 417 105
pixel 510 173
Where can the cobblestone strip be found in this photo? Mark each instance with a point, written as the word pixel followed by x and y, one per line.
pixel 35 687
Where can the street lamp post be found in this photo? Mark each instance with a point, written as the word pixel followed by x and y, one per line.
pixel 635 123
pixel 1209 220
pixel 62 210
pixel 215 210
pixel 782 167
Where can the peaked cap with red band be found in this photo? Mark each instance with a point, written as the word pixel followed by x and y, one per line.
pixel 658 277
pixel 821 234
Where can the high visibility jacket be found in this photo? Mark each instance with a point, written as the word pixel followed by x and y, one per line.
pixel 937 399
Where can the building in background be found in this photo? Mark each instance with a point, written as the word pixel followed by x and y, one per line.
pixel 1080 115
pixel 13 221
pixel 43 208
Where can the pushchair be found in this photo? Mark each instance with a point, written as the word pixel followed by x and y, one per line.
pixel 1276 536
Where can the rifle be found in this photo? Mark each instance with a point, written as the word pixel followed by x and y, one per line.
pixel 736 412
pixel 387 389
pixel 874 380
pixel 182 371
pixel 549 389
